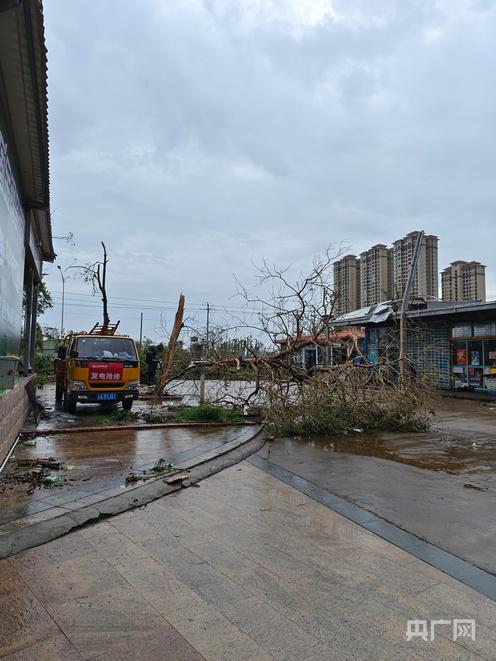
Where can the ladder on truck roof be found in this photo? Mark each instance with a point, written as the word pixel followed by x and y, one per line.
pixel 101 329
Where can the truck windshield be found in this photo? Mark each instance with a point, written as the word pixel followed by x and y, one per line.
pixel 99 348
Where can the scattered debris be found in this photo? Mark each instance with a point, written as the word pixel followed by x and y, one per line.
pixel 179 477
pixel 154 418
pixel 49 462
pixel 132 478
pixel 52 480
pixel 161 466
pixel 469 485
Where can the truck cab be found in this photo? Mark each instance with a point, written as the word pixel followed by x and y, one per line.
pixel 97 368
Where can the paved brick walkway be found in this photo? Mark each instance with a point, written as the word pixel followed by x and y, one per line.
pixel 244 567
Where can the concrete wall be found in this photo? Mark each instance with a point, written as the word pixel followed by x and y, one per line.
pixel 14 408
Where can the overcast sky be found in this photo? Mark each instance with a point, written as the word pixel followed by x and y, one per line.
pixel 197 136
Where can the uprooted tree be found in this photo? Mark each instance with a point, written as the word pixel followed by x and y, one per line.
pixel 327 397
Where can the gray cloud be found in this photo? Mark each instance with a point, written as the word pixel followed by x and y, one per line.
pixel 194 136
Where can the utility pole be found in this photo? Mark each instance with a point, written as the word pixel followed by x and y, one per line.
pixel 205 353
pixel 63 301
pixel 404 308
pixel 141 329
pixel 208 326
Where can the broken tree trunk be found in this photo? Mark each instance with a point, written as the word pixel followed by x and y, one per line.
pixel 169 352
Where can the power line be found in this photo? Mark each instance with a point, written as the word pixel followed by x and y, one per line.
pixel 201 306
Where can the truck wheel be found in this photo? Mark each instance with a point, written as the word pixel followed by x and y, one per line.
pixel 70 405
pixel 127 404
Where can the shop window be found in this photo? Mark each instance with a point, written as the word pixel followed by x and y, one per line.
pixel 490 383
pixel 460 354
pixel 490 353
pixel 475 355
pixel 462 330
pixel 487 328
pixel 475 377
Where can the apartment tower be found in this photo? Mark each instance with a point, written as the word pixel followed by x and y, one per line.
pixel 376 275
pixel 425 283
pixel 347 284
pixel 464 281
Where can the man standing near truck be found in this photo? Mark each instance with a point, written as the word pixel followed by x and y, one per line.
pixel 151 359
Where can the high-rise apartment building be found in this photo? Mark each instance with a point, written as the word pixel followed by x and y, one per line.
pixel 381 274
pixel 376 275
pixel 347 284
pixel 425 283
pixel 464 281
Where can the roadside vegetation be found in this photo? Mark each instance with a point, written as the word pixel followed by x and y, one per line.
pixel 205 413
pixel 209 413
pixel 348 401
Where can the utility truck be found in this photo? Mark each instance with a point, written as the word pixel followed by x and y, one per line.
pixel 97 367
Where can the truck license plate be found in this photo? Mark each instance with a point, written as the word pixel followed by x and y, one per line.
pixel 106 396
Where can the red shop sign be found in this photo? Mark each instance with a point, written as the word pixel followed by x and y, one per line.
pixel 105 371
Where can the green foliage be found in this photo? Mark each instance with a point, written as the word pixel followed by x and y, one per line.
pixel 209 413
pixel 44 368
pixel 119 415
pixel 45 300
pixel 51 334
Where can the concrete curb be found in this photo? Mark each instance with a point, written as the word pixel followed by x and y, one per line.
pixel 199 468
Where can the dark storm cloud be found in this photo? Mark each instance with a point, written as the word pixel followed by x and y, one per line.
pixel 196 135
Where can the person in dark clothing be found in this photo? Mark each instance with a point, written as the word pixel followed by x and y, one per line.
pixel 152 362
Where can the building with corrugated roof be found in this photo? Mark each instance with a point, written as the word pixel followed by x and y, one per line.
pixel 25 228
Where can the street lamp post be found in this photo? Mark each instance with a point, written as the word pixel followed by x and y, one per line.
pixel 63 300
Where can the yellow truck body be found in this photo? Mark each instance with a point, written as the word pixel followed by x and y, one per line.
pixel 97 368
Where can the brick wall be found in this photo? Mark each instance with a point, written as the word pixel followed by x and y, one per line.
pixel 14 407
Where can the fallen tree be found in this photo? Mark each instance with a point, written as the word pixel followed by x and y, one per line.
pixel 295 398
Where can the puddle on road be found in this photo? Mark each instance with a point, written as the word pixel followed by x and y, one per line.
pixel 429 451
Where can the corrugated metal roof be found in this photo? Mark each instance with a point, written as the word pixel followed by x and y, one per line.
pixel 23 64
pixel 383 311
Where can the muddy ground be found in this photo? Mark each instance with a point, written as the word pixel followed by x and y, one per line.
pixel 93 462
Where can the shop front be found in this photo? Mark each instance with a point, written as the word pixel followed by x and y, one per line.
pixel 473 357
pixel 452 344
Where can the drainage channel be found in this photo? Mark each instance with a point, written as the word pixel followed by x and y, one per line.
pixel 472 576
